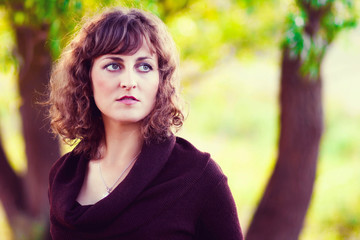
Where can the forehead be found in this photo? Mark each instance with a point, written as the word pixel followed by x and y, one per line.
pixel 146 48
pixel 144 52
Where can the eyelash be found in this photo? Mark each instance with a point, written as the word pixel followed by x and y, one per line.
pixel 137 66
pixel 112 64
pixel 145 65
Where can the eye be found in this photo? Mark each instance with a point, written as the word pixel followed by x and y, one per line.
pixel 112 67
pixel 144 67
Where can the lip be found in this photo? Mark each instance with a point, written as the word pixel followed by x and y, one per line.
pixel 128 100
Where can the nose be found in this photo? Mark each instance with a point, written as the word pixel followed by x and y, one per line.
pixel 128 80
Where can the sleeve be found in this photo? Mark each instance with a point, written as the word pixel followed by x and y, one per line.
pixel 219 219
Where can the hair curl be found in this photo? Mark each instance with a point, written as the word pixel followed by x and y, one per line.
pixel 73 112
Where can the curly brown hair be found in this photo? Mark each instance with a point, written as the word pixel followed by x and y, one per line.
pixel 73 112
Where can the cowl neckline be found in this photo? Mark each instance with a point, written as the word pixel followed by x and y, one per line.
pixel 69 177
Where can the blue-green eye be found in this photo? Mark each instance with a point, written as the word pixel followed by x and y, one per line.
pixel 112 67
pixel 144 67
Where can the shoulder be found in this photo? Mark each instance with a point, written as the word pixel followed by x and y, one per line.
pixel 182 146
pixel 201 163
pixel 64 165
pixel 57 165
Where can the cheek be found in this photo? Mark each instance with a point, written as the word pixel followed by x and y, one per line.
pixel 155 91
pixel 155 95
pixel 100 85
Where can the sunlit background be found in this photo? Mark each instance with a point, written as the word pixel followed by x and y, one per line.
pixel 230 69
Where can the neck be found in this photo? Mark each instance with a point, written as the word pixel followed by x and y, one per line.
pixel 122 142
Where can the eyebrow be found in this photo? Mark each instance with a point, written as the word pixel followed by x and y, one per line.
pixel 114 58
pixel 144 58
pixel 122 60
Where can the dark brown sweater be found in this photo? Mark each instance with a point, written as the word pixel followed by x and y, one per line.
pixel 172 192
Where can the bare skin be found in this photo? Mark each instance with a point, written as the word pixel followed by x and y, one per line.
pixel 115 160
pixel 125 89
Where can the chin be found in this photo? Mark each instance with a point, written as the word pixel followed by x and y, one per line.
pixel 130 120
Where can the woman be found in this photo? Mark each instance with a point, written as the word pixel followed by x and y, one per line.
pixel 115 90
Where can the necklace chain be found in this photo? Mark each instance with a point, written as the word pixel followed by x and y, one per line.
pixel 109 189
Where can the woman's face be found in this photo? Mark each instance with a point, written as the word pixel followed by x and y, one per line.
pixel 125 86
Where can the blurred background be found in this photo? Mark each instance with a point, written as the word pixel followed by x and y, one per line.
pixel 232 55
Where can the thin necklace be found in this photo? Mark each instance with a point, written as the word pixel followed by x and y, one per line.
pixel 109 189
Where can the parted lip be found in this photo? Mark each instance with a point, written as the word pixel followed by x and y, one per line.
pixel 127 98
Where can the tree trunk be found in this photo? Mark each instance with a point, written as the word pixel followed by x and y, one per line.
pixel 281 212
pixel 30 206
pixel 42 149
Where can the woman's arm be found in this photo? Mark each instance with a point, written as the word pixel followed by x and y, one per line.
pixel 219 219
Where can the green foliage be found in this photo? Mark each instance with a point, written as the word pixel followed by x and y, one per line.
pixel 342 16
pixel 7 60
pixel 58 16
pixel 210 31
pixel 65 15
pixel 207 31
pixel 293 39
pixel 315 4
pixel 310 45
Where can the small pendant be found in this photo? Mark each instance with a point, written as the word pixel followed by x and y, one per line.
pixel 105 194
